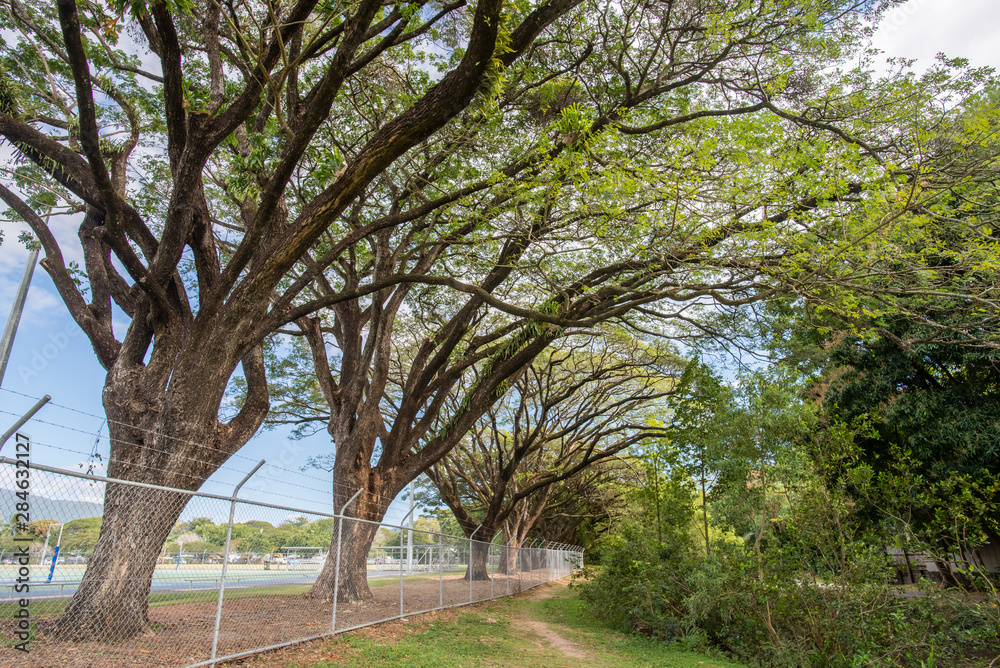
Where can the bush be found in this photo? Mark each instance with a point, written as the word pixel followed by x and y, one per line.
pixel 784 609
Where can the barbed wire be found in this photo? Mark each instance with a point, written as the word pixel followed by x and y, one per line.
pixel 384 507
pixel 328 489
pixel 106 420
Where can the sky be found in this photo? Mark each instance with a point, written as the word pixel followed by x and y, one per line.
pixel 51 355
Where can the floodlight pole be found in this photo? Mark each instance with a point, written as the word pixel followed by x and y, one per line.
pixel 46 548
pixel 7 342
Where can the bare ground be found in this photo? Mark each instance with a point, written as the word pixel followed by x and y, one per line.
pixel 182 634
pixel 547 634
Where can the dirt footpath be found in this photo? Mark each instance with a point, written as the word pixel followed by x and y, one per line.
pixel 548 637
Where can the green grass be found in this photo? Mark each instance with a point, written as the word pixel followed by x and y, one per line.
pixel 384 582
pixel 489 636
pixel 41 609
pixel 157 600
pixel 50 608
pixel 566 612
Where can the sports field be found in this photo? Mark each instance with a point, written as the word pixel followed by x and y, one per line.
pixel 171 578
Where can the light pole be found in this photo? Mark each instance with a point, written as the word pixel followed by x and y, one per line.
pixel 15 312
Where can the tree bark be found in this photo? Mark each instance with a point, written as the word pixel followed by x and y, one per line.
pixel 112 601
pixel 377 492
pixel 508 558
pixel 162 435
pixel 353 584
pixel 478 568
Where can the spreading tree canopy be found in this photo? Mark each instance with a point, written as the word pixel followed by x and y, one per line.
pixel 237 167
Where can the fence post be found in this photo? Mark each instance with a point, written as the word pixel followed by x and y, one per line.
pixel 528 551
pixel 469 571
pixel 506 563
pixel 531 563
pixel 410 512
pixel 520 568
pixel 24 418
pixel 225 558
pixel 336 566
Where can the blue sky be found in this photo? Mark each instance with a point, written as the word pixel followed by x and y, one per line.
pixel 52 356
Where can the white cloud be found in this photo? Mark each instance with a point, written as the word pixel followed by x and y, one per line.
pixel 923 28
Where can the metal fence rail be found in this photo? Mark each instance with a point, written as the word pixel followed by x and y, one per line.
pixel 233 597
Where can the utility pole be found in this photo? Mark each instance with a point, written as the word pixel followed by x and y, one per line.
pixel 409 536
pixel 15 312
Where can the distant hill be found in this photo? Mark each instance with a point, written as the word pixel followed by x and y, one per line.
pixel 43 508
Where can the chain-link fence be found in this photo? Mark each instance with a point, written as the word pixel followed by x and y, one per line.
pixel 231 578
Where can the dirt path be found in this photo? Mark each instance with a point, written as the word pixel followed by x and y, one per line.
pixel 551 637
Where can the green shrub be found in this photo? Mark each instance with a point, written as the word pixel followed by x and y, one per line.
pixel 792 616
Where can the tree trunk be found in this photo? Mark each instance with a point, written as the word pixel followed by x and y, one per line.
pixel 112 600
pixel 524 560
pixel 508 558
pixel 357 541
pixel 379 490
pixel 909 568
pixel 478 568
pixel 169 437
pixel 537 559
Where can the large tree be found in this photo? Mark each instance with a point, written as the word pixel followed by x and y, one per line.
pixel 579 404
pixel 934 437
pixel 200 181
pixel 701 412
pixel 642 155
pixel 582 509
pixel 271 145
